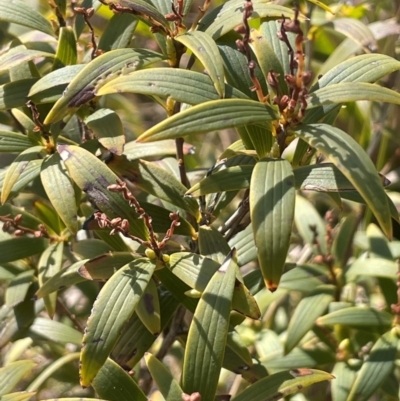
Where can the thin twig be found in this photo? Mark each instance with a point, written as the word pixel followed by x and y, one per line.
pixel 78 325
pixel 87 13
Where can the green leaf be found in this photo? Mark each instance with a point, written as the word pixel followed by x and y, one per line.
pixel 168 386
pixel 354 163
pixel 357 317
pixel 18 287
pixel 307 311
pixel 93 177
pixel 212 244
pixel 376 368
pixel 20 396
pixel 272 203
pixel 303 278
pixel 16 168
pixel 136 339
pixel 66 277
pixel 113 307
pixel 268 60
pixel 226 17
pixel 208 332
pixel 144 10
pixel 206 51
pixel 118 32
pixel 59 189
pixel 206 117
pixel 18 55
pixel 114 384
pixel 310 224
pixel 135 151
pixel 49 264
pixel 50 87
pixel 108 129
pixel 20 248
pixel 18 12
pixel 66 50
pixel 181 85
pixel 364 68
pixel 148 308
pixel 14 94
pixel 104 266
pixel 351 92
pixel 28 175
pixel 196 271
pixel 375 267
pixel 13 142
pixel 51 330
pixel 93 76
pixel 11 374
pixel 282 384
pixel 344 379
pixel 237 70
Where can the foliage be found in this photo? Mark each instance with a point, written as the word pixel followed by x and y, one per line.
pixel 254 260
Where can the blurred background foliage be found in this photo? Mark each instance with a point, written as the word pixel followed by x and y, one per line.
pixel 298 326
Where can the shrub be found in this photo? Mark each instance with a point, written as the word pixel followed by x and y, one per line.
pixel 247 248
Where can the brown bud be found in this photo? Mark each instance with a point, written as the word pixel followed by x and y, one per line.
pixel 240 30
pixel 89 12
pixel 19 233
pixel 240 46
pixel 115 222
pixel 125 226
pixel 292 26
pixel 306 77
pixel 290 80
pixel 17 219
pixel 6 226
pixel 114 188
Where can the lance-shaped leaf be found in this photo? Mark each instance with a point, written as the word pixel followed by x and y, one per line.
pixel 307 311
pixel 196 271
pixel 237 70
pixel 18 287
pixel 354 163
pixel 49 264
pixel 104 266
pixel 51 87
pixel 18 12
pixel 351 92
pixel 156 181
pixel 108 129
pixel 11 374
pixel 148 308
pixel 59 189
pixel 17 168
pixel 145 11
pixel 168 386
pixel 206 117
pixel 114 384
pixel 310 224
pixel 228 16
pixel 66 50
pixel 364 68
pixel 55 331
pixel 19 54
pixel 205 49
pixel 66 277
pixel 20 248
pixel 87 82
pixel 269 61
pixel 118 32
pixel 376 368
pixel 375 267
pixel 181 85
pixel 14 94
pixel 208 331
pixel 281 384
pixel 113 307
pixel 272 202
pixel 93 177
pixel 13 142
pixel 357 317
pixel 136 339
pixel 19 396
pixel 344 379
